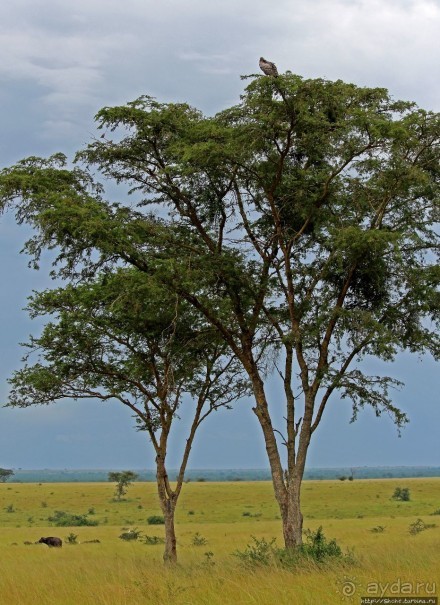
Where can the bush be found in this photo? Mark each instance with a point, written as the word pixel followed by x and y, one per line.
pixel 131 534
pixel 436 512
pixel 10 508
pixel 418 526
pixel 199 540
pixel 379 529
pixel 72 538
pixel 152 540
pixel 316 548
pixel 155 520
pixel 259 552
pixel 401 494
pixel 63 519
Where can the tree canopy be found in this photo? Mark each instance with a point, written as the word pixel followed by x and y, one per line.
pixel 301 224
pixel 121 337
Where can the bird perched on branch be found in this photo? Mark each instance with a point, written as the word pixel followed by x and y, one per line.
pixel 268 68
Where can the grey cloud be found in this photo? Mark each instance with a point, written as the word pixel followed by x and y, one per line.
pixel 62 61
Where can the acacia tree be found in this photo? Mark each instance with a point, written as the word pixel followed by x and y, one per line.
pixel 305 215
pixel 119 337
pixel 122 479
pixel 5 474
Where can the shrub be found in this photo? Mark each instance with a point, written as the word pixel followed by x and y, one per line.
pixel 199 540
pixel 316 548
pixel 155 520
pixel 342 478
pixel 152 540
pixel 418 526
pixel 72 538
pixel 131 534
pixel 436 512
pixel 379 529
pixel 10 508
pixel 401 494
pixel 62 519
pixel 259 552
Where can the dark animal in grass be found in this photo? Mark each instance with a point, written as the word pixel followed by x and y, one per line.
pixel 51 541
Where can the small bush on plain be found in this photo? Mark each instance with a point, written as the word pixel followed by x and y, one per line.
pixel 155 520
pixel 402 494
pixel 152 540
pixel 419 526
pixel 316 548
pixel 63 519
pixel 131 534
pixel 72 538
pixel 199 540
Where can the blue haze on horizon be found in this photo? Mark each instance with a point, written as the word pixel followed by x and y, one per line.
pixel 61 63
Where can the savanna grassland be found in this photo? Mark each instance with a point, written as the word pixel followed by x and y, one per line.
pixel 226 515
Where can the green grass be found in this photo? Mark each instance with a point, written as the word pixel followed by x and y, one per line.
pixel 117 572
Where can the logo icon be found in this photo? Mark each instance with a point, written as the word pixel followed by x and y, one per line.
pixel 347 588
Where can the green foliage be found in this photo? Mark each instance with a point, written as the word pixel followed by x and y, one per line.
pixel 5 474
pixel 72 538
pixel 131 534
pixel 63 519
pixel 300 224
pixel 198 540
pixel 316 548
pixel 401 494
pixel 122 479
pixel 153 540
pixel 419 526
pixel 258 552
pixel 155 520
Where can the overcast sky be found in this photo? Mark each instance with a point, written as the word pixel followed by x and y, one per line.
pixel 62 61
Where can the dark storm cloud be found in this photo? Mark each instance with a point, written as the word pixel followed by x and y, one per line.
pixel 62 61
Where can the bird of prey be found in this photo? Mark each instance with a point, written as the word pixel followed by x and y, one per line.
pixel 268 68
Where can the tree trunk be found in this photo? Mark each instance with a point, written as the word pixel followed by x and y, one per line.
pixel 292 517
pixel 287 486
pixel 168 500
pixel 170 553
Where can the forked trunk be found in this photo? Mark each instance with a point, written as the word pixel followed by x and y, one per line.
pixel 287 486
